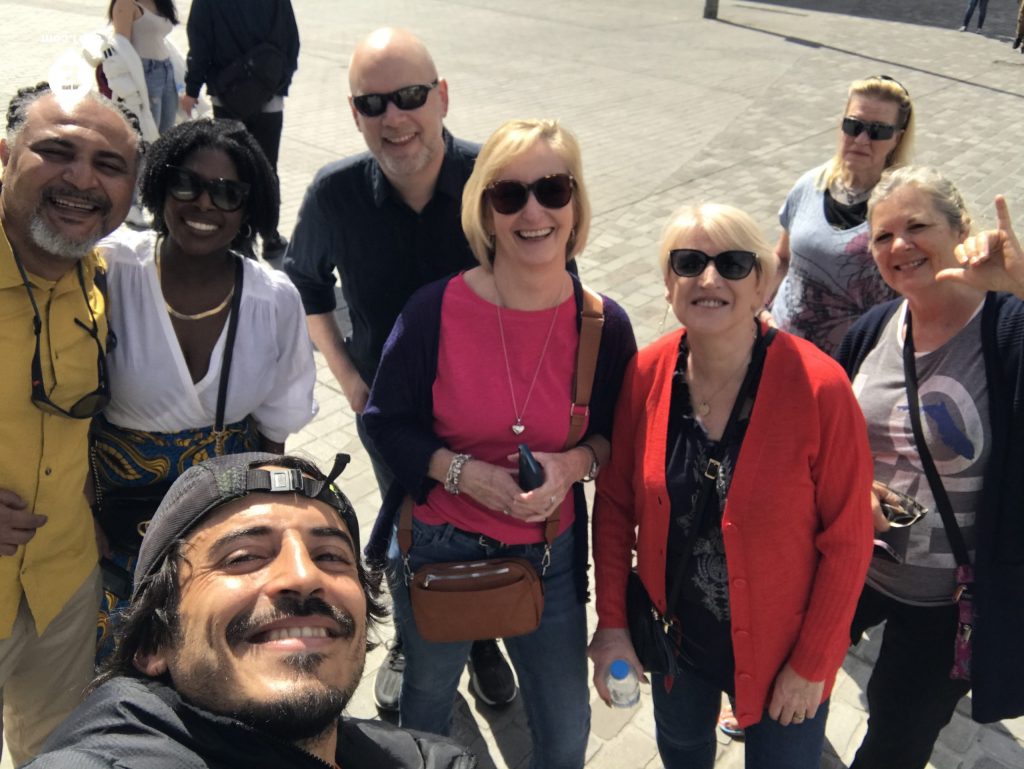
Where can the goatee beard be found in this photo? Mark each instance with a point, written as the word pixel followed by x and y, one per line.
pixel 57 244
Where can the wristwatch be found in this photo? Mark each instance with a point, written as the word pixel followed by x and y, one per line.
pixel 595 466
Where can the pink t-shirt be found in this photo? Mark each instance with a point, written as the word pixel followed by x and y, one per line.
pixel 473 410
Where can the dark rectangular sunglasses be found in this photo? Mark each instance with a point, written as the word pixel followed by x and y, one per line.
pixel 876 131
pixel 731 265
pixel 410 97
pixel 186 185
pixel 509 197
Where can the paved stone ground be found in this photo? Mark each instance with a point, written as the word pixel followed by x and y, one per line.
pixel 670 108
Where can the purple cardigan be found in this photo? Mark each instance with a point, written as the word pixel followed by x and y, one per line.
pixel 399 416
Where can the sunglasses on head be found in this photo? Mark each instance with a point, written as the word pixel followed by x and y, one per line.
pixel 731 265
pixel 509 197
pixel 186 186
pixel 410 97
pixel 876 131
pixel 89 405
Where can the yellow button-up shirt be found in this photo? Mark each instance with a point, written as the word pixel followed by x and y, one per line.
pixel 44 458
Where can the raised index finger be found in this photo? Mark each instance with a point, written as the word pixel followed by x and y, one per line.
pixel 1003 220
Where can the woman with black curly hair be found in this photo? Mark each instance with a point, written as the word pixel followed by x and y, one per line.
pixel 212 354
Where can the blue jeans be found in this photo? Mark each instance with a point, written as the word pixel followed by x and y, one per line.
pixel 163 93
pixel 685 720
pixel 982 6
pixel 551 662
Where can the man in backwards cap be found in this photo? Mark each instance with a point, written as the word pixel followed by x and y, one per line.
pixel 246 635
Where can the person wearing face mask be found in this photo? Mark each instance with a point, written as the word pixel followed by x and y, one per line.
pixel 740 475
pixel 826 277
pixel 212 352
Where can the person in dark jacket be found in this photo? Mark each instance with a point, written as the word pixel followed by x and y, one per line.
pixel 958 332
pixel 249 576
pixel 219 33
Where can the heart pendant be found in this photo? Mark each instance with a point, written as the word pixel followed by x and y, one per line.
pixel 518 428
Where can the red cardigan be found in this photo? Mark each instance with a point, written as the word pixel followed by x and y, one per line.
pixel 796 525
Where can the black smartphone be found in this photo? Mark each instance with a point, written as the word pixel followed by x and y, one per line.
pixel 531 474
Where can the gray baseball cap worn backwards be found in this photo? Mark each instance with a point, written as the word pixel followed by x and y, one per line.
pixel 210 484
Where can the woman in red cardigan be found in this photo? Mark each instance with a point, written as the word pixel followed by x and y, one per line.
pixel 779 550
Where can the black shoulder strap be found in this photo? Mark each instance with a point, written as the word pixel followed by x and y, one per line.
pixel 229 344
pixel 956 537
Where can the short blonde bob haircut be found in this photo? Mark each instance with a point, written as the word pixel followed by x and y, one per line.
pixel 728 228
pixel 883 88
pixel 511 141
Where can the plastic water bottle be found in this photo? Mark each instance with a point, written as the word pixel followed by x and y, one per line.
pixel 623 684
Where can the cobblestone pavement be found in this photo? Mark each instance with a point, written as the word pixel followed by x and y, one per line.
pixel 670 108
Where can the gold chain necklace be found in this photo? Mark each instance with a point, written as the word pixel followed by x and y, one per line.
pixel 703 405
pixel 185 316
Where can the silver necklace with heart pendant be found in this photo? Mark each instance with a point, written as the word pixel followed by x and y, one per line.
pixel 518 427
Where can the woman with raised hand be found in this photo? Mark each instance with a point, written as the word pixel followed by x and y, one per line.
pixel 948 571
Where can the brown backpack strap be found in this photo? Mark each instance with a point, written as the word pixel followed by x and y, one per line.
pixel 591 324
pixel 405 526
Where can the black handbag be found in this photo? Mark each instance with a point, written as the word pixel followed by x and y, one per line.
pixel 656 636
pixel 253 79
pixel 250 81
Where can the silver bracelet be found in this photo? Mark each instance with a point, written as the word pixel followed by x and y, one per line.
pixel 451 480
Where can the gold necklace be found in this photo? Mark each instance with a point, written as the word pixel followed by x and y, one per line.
pixel 703 405
pixel 185 316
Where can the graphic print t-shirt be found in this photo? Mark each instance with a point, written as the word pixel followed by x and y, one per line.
pixel 954 418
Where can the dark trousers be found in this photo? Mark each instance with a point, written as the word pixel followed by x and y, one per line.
pixel 265 128
pixel 910 694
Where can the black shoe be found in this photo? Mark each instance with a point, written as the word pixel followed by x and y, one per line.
pixel 490 676
pixel 387 688
pixel 274 247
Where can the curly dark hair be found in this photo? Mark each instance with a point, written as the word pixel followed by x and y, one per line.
pixel 153 620
pixel 232 137
pixel 17 110
pixel 164 7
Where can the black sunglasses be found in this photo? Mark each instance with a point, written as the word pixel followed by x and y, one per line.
pixel 508 196
pixel 410 97
pixel 876 131
pixel 731 265
pixel 186 185
pixel 89 405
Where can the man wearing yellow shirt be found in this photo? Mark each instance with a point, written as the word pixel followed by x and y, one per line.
pixel 69 165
